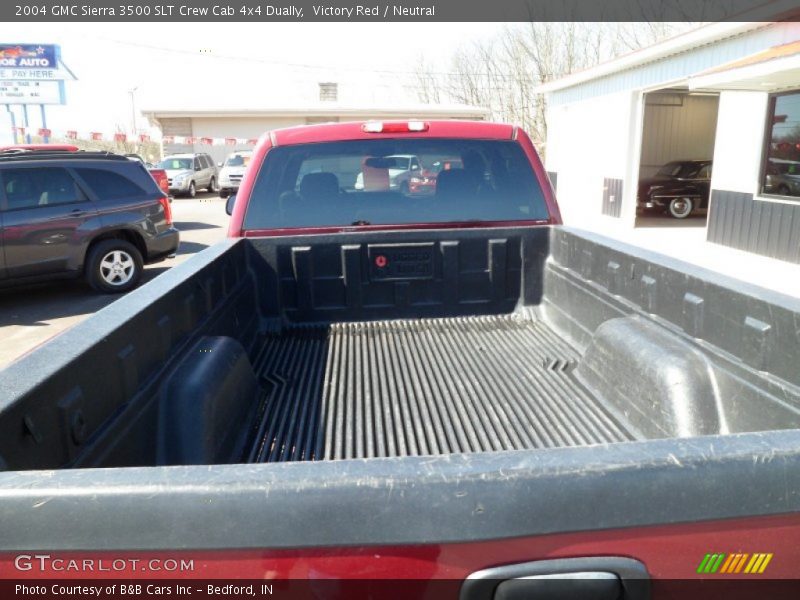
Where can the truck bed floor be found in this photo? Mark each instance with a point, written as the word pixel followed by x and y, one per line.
pixel 423 387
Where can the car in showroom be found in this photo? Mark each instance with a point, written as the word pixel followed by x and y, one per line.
pixel 232 171
pixel 187 173
pixel 678 188
pixel 68 214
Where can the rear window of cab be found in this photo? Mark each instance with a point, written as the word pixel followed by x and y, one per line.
pixel 394 181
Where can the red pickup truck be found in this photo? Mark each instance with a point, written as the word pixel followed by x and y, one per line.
pixel 445 389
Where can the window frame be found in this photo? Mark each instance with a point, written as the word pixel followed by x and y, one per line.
pixel 772 100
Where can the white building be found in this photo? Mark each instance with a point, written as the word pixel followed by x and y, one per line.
pixel 728 92
pixel 244 116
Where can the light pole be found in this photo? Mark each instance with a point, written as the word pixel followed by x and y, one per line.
pixel 133 108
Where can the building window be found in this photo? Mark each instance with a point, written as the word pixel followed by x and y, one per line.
pixel 328 92
pixel 781 172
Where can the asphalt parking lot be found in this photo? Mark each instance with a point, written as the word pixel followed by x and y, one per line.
pixel 31 315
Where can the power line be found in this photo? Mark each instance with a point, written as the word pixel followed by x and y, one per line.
pixel 318 67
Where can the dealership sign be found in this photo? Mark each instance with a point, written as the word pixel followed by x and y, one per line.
pixel 38 62
pixel 28 56
pixel 35 74
pixel 32 74
pixel 31 92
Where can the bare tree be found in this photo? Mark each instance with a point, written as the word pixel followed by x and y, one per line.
pixel 503 73
pixel 428 89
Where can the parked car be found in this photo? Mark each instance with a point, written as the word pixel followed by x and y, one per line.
pixel 468 392
pixel 425 181
pixel 159 175
pixel 162 180
pixel 678 188
pixel 30 147
pixel 232 171
pixel 187 173
pixel 782 177
pixel 134 156
pixel 70 214
pixel 396 170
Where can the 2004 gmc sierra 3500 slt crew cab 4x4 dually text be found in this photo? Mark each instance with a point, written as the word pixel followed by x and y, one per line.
pixel 376 383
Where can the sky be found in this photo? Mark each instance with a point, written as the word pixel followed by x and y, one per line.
pixel 168 64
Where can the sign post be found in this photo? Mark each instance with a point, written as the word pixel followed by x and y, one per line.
pixel 32 74
pixel 25 124
pixel 13 122
pixel 44 124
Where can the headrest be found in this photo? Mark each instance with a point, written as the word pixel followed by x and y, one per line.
pixel 455 182
pixel 319 185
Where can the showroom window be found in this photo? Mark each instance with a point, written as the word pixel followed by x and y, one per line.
pixel 781 172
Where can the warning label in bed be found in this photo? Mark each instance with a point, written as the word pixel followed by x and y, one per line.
pixel 409 261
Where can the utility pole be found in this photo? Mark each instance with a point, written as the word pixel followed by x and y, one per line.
pixel 133 109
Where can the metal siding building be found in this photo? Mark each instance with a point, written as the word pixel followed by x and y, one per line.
pixel 607 129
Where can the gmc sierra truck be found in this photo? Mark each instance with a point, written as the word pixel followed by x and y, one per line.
pixel 361 382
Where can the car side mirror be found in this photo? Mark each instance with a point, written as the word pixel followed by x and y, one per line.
pixel 198 168
pixel 229 204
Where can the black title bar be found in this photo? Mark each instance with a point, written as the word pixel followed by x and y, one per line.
pixel 398 10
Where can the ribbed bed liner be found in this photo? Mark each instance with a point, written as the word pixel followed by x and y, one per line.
pixel 424 387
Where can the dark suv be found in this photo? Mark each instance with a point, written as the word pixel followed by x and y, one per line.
pixel 70 214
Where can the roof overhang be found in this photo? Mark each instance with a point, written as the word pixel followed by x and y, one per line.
pixel 676 45
pixel 771 70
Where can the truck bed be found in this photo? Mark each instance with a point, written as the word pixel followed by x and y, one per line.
pixel 297 349
pixel 424 387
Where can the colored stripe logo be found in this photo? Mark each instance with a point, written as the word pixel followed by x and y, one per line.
pixel 719 562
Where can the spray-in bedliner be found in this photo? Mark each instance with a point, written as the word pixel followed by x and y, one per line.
pixel 424 387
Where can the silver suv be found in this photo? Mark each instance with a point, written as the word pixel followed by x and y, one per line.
pixel 186 173
pixel 232 171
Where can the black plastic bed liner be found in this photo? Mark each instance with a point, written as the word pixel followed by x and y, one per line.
pixel 423 387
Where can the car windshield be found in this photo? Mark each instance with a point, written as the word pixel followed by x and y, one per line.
pixel 176 164
pixel 237 160
pixel 359 183
pixel 681 170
